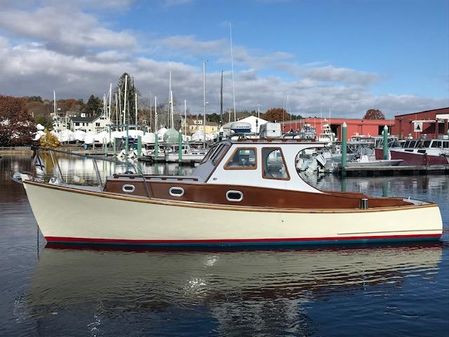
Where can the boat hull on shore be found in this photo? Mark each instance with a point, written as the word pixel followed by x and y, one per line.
pixel 73 216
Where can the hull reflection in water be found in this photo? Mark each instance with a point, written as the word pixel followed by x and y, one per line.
pixel 226 292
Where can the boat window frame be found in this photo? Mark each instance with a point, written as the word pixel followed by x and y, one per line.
pixel 214 154
pixel 219 154
pixel 234 192
pixel 436 144
pixel 209 153
pixel 173 188
pixel 240 168
pixel 131 187
pixel 283 161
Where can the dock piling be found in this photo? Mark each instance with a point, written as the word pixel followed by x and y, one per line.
pixel 139 146
pixel 180 147
pixel 344 136
pixel 385 141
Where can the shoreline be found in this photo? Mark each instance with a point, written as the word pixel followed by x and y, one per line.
pixel 15 150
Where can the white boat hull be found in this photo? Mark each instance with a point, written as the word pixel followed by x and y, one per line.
pixel 67 215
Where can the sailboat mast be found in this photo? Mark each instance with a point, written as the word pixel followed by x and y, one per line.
pixel 221 100
pixel 124 99
pixel 232 72
pixel 185 119
pixel 119 112
pixel 110 101
pixel 172 123
pixel 116 109
pixel 155 115
pixel 204 100
pixel 135 105
pixel 54 102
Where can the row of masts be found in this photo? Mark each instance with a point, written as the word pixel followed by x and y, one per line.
pixel 122 113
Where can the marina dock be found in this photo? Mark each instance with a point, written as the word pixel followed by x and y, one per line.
pixel 377 171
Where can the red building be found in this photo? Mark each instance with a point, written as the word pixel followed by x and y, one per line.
pixel 431 123
pixel 355 127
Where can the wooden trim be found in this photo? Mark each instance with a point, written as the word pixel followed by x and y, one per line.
pixel 180 203
pixel 238 148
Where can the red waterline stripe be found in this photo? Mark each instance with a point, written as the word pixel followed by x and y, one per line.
pixel 345 238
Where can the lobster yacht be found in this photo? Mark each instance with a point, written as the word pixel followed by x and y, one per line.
pixel 245 192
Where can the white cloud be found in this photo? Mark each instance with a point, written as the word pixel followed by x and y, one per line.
pixel 54 45
pixel 330 73
pixel 63 29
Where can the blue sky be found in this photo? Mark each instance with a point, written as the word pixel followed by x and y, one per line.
pixel 343 56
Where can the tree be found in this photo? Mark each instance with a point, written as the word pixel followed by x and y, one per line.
pixel 71 104
pixel 374 114
pixel 131 92
pixel 213 118
pixel 45 121
pixel 275 115
pixel 93 105
pixel 16 124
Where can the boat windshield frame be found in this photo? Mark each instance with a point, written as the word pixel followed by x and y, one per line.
pixel 216 153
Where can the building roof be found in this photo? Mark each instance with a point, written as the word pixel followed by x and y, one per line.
pixel 419 112
pixel 89 119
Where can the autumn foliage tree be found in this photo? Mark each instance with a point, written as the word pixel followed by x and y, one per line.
pixel 275 115
pixel 16 123
pixel 374 114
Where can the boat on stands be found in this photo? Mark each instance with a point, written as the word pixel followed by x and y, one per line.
pixel 169 153
pixel 420 152
pixel 245 192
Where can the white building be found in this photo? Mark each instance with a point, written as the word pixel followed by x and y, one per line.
pixel 254 121
pixel 89 124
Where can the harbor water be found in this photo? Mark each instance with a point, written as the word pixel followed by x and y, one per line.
pixel 381 290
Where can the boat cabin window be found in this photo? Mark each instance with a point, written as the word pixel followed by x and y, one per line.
pixel 445 145
pixel 274 164
pixel 215 153
pixel 243 158
pixel 218 155
pixel 412 144
pixel 426 143
pixel 436 143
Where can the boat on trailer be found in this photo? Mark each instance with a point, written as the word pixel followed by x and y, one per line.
pixel 245 192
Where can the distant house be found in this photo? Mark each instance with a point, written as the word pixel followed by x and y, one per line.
pixel 89 123
pixel 194 125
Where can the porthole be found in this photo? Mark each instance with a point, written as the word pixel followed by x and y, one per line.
pixel 127 188
pixel 234 196
pixel 176 191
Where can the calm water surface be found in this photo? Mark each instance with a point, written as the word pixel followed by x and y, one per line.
pixel 400 290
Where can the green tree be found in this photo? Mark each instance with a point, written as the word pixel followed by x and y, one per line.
pixel 45 121
pixel 131 92
pixel 214 118
pixel 93 105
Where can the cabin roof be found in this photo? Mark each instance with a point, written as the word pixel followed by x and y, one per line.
pixel 84 119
